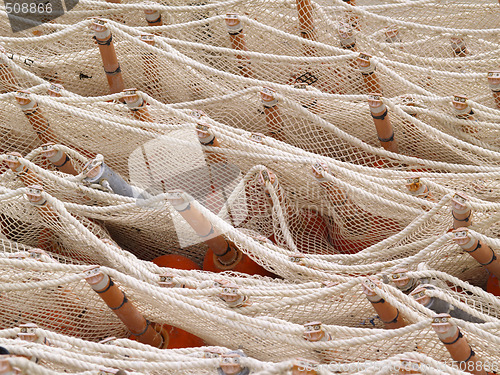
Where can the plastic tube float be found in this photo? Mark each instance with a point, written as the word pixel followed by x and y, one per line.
pixel 237 38
pixel 35 116
pixel 457 345
pixel 150 65
pixel 136 105
pixel 461 211
pixel 272 113
pixel 388 314
pixel 458 47
pixel 153 17
pixel 483 254
pixel 221 255
pixel 440 306
pixel 306 24
pixel 144 331
pixel 112 68
pixel 382 122
pixel 463 111
pixel 367 68
pixel 59 159
pixel 493 82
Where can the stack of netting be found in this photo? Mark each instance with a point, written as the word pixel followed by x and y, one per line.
pixel 310 153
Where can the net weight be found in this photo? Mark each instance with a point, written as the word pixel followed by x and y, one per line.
pixel 28 8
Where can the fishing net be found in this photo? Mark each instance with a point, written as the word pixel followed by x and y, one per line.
pixel 262 115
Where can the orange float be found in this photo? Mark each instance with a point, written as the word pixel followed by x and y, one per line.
pixel 457 345
pixel 494 83
pixel 387 313
pixel 370 229
pixel 367 68
pixel 464 111
pixel 382 122
pixel 483 254
pixel 35 116
pixel 235 30
pixel 159 336
pixel 104 40
pixel 272 113
pixel 153 17
pixel 176 261
pixel 59 159
pixel 458 46
pixel 493 285
pixel 306 24
pixel 222 255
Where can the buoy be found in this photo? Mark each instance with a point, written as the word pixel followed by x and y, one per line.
pixel 35 116
pixel 112 68
pixel 367 229
pixel 142 329
pixel 382 122
pixel 493 285
pixel 237 38
pixel 457 345
pixel 222 255
pixel 388 314
pixel 176 261
pixel 177 338
pixel 494 84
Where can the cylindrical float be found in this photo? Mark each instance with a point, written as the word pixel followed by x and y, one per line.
pixel 392 34
pixel 27 176
pixel 461 211
pixel 382 122
pixel 367 68
pixel 403 282
pixel 463 111
pixel 59 159
pixel 481 252
pixel 35 116
pixel 346 36
pixel 440 306
pixel 235 30
pixel 458 46
pixel 151 76
pixel 55 90
pixel 494 83
pixel 273 114
pixel 206 138
pixel 137 105
pixel 153 17
pixel 112 68
pixel 100 176
pixel 116 300
pixel 418 189
pixel 387 313
pixel 314 332
pixel 457 345
pixel 306 24
pixel 221 255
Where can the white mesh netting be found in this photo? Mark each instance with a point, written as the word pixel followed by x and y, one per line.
pixel 270 118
